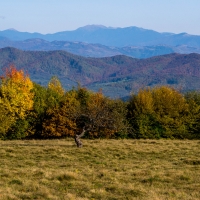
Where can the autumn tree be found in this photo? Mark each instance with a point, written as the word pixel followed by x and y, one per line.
pixel 82 112
pixel 160 112
pixel 140 114
pixel 55 85
pixel 16 98
pixel 45 99
pixel 171 112
pixel 101 116
pixel 60 120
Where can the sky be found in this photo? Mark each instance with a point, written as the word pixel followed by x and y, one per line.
pixel 50 16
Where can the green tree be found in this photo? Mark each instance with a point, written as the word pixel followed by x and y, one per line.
pixel 45 99
pixel 193 100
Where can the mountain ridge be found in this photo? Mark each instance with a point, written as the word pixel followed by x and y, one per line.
pixel 101 35
pixel 102 41
pixel 88 49
pixel 118 76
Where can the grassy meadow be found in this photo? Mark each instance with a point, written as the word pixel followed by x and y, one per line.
pixel 102 169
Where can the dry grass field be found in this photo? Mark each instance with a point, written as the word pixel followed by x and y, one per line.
pixel 102 169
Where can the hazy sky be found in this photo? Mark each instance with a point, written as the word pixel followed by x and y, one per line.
pixel 50 16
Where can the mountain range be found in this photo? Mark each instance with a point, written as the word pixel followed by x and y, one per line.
pixel 117 76
pixel 87 49
pixel 118 60
pixel 110 36
pixel 101 41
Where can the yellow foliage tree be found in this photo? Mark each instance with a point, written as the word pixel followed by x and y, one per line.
pixel 16 97
pixel 171 111
pixel 140 113
pixel 158 112
pixel 55 85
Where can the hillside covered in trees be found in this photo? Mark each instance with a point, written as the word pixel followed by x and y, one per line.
pixel 29 110
pixel 118 76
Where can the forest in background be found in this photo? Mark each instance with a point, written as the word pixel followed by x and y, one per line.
pixel 31 111
pixel 118 76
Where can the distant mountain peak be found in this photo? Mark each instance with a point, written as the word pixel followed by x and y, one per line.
pixel 92 27
pixel 183 33
pixel 11 29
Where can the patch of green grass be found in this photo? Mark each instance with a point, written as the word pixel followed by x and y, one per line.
pixel 15 181
pixel 102 169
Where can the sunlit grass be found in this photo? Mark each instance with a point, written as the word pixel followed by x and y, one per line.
pixel 102 169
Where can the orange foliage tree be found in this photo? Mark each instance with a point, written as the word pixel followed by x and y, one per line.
pixel 81 111
pixel 101 116
pixel 60 120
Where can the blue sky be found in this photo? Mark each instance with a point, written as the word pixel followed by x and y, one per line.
pixel 50 16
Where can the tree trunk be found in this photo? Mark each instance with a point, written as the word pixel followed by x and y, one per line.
pixel 77 138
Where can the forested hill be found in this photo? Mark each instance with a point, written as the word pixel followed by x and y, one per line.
pixel 117 75
pixel 64 64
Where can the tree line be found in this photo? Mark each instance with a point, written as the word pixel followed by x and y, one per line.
pixel 29 110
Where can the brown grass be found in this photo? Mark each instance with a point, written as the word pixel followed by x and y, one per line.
pixel 102 169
